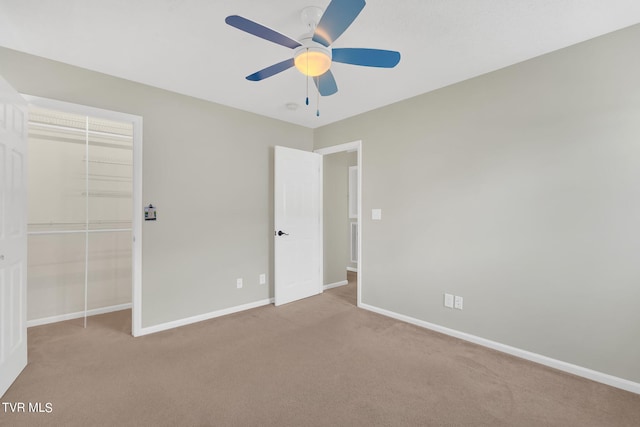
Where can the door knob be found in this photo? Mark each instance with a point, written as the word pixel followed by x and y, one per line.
pixel 282 233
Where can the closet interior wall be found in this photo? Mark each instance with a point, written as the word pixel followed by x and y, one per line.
pixel 79 211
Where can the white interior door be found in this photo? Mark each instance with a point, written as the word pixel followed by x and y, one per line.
pixel 298 225
pixel 13 235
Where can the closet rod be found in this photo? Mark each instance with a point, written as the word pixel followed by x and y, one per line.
pixel 106 162
pixel 106 230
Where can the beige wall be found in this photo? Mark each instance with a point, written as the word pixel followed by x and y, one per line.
pixel 207 167
pixel 520 191
pixel 335 217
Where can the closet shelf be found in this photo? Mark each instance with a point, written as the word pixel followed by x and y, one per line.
pixel 99 226
pixel 83 223
pixel 80 130
pixel 112 194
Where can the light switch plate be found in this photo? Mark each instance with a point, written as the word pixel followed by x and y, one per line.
pixel 376 214
pixel 448 300
pixel 238 283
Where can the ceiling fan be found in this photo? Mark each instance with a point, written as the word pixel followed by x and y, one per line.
pixel 312 54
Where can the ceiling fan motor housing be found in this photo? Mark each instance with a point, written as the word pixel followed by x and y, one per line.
pixel 310 16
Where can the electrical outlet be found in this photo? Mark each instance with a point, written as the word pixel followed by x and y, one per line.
pixel 458 302
pixel 263 279
pixel 239 283
pixel 448 300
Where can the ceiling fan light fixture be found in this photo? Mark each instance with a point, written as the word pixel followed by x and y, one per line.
pixel 312 61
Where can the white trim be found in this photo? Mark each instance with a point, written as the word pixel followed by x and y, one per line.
pixel 138 207
pixel 360 167
pixel 201 317
pixel 580 371
pixel 138 213
pixel 77 315
pixel 349 147
pixel 86 219
pixel 321 219
pixel 354 270
pixel 336 284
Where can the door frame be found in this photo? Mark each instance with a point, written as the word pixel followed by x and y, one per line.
pixel 138 209
pixel 352 146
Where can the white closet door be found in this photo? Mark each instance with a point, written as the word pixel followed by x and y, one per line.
pixel 13 235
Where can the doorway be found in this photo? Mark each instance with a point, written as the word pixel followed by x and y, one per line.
pixel 355 147
pixel 85 212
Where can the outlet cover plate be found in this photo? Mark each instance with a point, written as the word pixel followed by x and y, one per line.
pixel 458 302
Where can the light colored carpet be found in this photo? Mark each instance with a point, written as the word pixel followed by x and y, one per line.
pixel 316 362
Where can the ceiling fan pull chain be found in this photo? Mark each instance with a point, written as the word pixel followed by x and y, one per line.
pixel 307 100
pixel 318 102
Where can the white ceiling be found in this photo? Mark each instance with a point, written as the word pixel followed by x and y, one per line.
pixel 186 47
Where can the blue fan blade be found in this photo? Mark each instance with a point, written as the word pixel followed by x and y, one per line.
pixel 261 31
pixel 336 19
pixel 326 84
pixel 272 70
pixel 366 57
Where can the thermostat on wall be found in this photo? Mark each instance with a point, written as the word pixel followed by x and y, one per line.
pixel 150 213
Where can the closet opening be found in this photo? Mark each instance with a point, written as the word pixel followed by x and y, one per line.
pixel 83 190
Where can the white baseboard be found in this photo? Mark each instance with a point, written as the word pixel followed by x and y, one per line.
pixel 335 285
pixel 199 318
pixel 355 270
pixel 523 354
pixel 77 315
